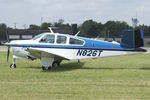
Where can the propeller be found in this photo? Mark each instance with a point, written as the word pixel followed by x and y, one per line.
pixel 8 50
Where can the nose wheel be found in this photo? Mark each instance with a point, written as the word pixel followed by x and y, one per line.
pixel 13 66
pixel 46 68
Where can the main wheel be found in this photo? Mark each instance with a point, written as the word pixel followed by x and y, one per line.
pixel 55 64
pixel 13 66
pixel 45 68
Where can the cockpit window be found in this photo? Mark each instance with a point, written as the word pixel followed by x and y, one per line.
pixel 37 36
pixel 76 41
pixel 48 39
pixel 61 39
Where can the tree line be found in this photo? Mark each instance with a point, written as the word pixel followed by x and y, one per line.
pixel 88 28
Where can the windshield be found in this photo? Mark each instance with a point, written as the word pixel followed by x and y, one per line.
pixel 37 36
pixel 48 39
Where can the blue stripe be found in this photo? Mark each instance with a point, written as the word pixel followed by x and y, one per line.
pixel 76 47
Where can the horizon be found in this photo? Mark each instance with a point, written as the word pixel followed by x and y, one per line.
pixel 26 12
pixel 15 26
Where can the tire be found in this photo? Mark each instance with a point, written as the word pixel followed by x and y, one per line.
pixel 44 68
pixel 13 66
pixel 55 64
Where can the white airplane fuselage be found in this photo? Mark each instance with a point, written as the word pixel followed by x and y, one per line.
pixel 72 54
pixel 52 48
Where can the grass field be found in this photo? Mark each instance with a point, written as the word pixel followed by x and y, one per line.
pixel 147 45
pixel 112 78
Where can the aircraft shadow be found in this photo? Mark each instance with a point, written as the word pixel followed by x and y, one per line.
pixel 113 68
pixel 145 68
pixel 33 67
pixel 67 67
pixel 75 65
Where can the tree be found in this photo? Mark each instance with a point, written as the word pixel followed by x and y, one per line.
pixel 45 26
pixel 145 28
pixel 89 29
pixel 115 28
pixel 101 29
pixel 62 26
pixel 74 28
pixel 3 29
pixel 34 27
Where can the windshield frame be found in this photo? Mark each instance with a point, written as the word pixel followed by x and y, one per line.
pixel 37 37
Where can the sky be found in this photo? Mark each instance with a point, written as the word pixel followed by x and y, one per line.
pixel 26 12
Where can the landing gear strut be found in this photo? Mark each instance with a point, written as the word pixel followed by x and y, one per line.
pixel 55 64
pixel 13 65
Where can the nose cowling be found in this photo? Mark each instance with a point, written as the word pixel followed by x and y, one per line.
pixel 9 44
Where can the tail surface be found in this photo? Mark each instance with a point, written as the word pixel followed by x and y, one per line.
pixel 132 39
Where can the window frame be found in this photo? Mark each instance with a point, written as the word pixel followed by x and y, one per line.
pixel 76 44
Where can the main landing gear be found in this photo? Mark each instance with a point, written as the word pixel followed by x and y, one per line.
pixel 55 64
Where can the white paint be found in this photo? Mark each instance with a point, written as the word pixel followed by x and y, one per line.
pixel 26 36
pixel 14 36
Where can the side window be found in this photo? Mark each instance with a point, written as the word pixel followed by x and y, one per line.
pixel 75 41
pixel 48 39
pixel 61 39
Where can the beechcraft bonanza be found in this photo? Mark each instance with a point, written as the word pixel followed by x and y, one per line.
pixel 51 48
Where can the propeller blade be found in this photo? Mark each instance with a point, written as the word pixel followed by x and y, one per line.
pixel 8 52
pixel 7 37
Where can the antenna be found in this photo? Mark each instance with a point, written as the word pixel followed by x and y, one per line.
pixel 77 33
pixel 15 25
pixel 50 29
pixel 7 36
pixel 134 23
pixel 41 20
pixel 25 26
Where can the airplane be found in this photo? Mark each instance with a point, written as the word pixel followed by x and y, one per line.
pixel 51 48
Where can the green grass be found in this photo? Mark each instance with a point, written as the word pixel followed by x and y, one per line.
pixel 147 45
pixel 112 78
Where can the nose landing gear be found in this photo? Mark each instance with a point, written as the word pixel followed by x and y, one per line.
pixel 46 68
pixel 13 65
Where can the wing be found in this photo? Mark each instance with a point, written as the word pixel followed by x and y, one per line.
pixel 37 52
